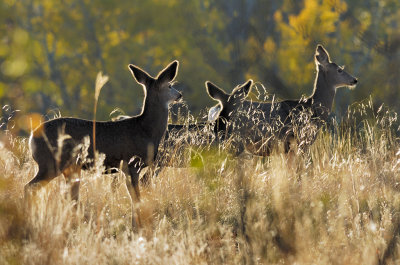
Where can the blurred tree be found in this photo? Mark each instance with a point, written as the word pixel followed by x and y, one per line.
pixel 379 56
pixel 51 50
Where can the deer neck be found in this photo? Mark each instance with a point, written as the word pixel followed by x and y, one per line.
pixel 154 118
pixel 324 92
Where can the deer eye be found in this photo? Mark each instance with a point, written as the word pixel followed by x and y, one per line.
pixel 170 85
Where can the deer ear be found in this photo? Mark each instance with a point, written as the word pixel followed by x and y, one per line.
pixel 216 93
pixel 244 89
pixel 321 56
pixel 214 112
pixel 140 75
pixel 168 73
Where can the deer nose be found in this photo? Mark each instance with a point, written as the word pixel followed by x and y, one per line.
pixel 179 96
pixel 355 80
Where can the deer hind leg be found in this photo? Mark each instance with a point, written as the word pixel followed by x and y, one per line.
pixel 72 175
pixel 47 171
pixel 37 182
pixel 134 170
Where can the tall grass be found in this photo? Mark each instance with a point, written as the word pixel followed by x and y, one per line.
pixel 336 203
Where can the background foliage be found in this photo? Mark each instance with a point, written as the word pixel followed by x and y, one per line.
pixel 51 50
pixel 338 203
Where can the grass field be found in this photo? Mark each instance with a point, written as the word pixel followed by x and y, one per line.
pixel 336 203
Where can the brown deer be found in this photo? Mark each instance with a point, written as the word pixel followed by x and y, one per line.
pixel 259 123
pixel 56 144
pixel 175 142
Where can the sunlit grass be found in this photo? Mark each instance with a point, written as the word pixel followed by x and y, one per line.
pixel 337 202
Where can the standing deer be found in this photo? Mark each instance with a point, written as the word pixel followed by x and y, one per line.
pixel 177 144
pixel 55 144
pixel 258 123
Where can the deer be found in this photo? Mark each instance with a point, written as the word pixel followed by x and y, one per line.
pixel 197 136
pixel 56 144
pixel 175 143
pixel 260 123
pixel 179 140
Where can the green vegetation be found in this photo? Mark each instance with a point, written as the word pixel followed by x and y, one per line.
pixel 338 202
pixel 51 50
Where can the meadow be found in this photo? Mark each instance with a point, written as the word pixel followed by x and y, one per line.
pixel 337 202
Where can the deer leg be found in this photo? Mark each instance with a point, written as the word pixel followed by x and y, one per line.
pixel 72 175
pixel 131 193
pixel 134 172
pixel 75 190
pixel 42 177
pixel 35 182
pixel 134 192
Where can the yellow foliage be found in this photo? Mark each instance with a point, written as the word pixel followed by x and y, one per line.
pixel 14 68
pixel 4 50
pixel 113 38
pixel 20 37
pixel 139 38
pixel 278 16
pixel 2 89
pixel 50 40
pixel 252 48
pixel 312 25
pixel 269 45
pixel 317 18
pixel 213 41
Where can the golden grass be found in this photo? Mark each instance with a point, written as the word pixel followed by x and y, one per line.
pixel 337 203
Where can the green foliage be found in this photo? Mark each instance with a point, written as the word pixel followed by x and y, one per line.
pixel 51 51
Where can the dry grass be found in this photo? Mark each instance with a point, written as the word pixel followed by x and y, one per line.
pixel 338 203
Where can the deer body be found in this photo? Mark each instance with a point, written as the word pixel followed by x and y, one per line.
pixel 175 142
pixel 259 122
pixel 112 138
pixel 134 140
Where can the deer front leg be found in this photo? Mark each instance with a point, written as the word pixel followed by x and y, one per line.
pixel 133 188
pixel 134 172
pixel 131 193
